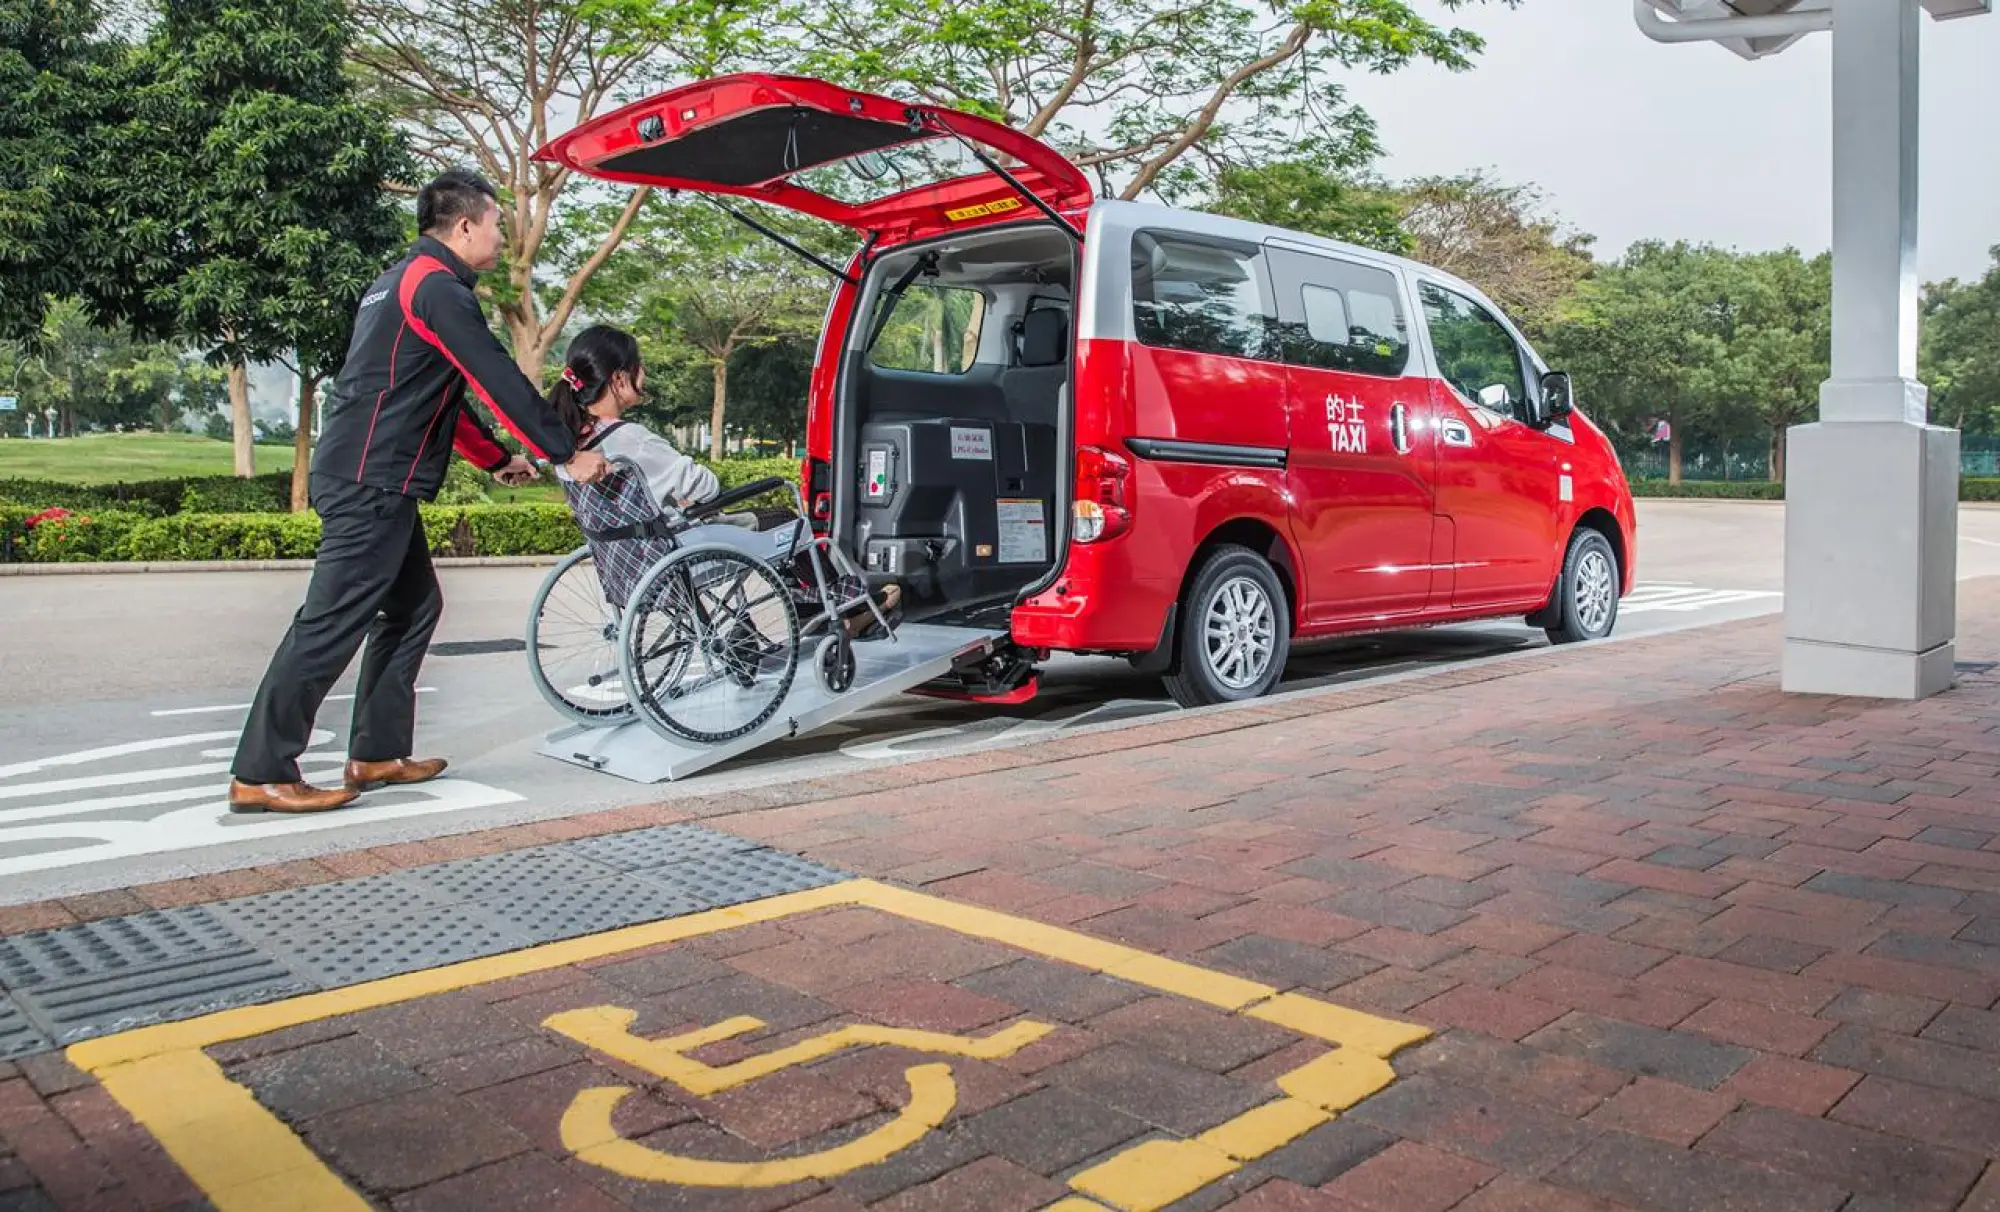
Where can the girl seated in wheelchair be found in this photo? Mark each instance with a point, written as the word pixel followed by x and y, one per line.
pixel 603 378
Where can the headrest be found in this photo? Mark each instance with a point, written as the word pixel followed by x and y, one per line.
pixel 1044 337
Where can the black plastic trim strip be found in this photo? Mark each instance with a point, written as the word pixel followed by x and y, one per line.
pixel 1169 450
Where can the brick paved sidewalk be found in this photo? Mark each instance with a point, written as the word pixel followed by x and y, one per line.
pixel 1685 944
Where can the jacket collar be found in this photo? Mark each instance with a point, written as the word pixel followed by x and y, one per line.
pixel 427 247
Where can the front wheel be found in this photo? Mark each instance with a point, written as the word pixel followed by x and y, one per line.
pixel 1586 600
pixel 1234 631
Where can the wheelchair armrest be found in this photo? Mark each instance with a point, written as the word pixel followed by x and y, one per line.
pixel 734 497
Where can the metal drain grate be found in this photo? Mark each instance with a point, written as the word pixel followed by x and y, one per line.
pixel 504 874
pixel 69 952
pixel 1976 666
pixel 742 877
pixel 77 982
pixel 105 1002
pixel 452 648
pixel 656 847
pixel 576 909
pixel 314 909
pixel 18 1036
pixel 369 951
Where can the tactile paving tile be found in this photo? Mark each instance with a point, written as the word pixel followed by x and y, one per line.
pixel 320 907
pixel 350 955
pixel 546 914
pixel 736 878
pixel 656 847
pixel 18 1036
pixel 505 874
pixel 94 948
pixel 119 999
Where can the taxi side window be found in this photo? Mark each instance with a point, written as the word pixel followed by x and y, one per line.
pixel 1475 352
pixel 1200 296
pixel 1340 315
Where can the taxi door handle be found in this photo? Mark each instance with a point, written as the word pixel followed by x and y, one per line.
pixel 1399 428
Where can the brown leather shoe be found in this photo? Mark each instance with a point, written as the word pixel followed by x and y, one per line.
pixel 366 776
pixel 287 797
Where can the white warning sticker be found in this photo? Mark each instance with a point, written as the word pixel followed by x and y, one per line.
pixel 1024 533
pixel 878 474
pixel 972 444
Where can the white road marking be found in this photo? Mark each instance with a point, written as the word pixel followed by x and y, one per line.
pixel 331 698
pixel 213 824
pixel 125 778
pixel 178 795
pixel 1650 597
pixel 106 752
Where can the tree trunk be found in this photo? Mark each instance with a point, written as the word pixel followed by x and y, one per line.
pixel 531 351
pixel 1777 454
pixel 302 444
pixel 721 406
pixel 240 424
pixel 1673 445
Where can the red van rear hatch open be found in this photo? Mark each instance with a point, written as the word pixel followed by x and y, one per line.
pixel 756 136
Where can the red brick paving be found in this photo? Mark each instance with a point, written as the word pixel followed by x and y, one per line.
pixel 1593 872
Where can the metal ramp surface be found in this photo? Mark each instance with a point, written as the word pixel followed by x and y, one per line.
pixel 883 669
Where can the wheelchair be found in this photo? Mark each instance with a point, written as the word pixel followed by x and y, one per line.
pixel 687 621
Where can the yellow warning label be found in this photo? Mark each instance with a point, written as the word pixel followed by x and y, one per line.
pixel 981 211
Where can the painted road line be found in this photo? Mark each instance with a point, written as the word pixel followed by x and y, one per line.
pixel 144 799
pixel 331 698
pixel 105 753
pixel 242 1156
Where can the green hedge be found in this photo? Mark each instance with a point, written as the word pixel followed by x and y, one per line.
pixel 196 494
pixel 1761 490
pixel 112 535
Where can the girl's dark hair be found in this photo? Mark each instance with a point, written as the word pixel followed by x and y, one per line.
pixel 597 353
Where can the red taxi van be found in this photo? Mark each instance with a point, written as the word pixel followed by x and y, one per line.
pixel 1106 427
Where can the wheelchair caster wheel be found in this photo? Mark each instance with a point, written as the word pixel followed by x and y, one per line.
pixel 834 664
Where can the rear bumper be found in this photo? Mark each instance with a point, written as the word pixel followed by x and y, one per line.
pixel 1095 610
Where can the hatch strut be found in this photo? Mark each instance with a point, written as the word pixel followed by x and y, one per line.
pixel 993 166
pixel 925 263
pixel 781 239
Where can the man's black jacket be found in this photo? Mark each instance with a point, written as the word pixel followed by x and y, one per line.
pixel 398 407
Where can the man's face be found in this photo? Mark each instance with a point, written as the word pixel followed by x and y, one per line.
pixel 480 240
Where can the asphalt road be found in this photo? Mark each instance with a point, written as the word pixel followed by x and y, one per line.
pixel 121 697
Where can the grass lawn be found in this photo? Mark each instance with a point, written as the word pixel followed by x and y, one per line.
pixel 107 458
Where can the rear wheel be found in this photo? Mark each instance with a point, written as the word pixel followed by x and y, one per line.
pixel 1234 632
pixel 1586 601
pixel 573 644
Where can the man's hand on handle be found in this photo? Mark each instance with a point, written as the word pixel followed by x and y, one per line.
pixel 517 472
pixel 588 467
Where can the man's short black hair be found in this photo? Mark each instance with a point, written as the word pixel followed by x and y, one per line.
pixel 458 194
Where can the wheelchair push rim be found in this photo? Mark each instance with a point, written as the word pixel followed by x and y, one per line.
pixel 572 639
pixel 710 644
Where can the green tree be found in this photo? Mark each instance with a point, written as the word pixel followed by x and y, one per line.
pixel 1778 345
pixel 1643 339
pixel 722 290
pixel 261 175
pixel 1312 197
pixel 1152 95
pixel 62 84
pixel 1497 237
pixel 486 83
pixel 1960 355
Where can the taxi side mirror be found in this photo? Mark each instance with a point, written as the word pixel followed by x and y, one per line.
pixel 1558 400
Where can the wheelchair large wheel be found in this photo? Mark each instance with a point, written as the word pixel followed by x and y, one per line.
pixel 710 645
pixel 573 644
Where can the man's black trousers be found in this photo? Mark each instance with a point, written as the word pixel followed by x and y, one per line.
pixel 372 581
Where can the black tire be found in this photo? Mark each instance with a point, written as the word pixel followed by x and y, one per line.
pixel 572 639
pixel 1585 605
pixel 723 619
pixel 1235 612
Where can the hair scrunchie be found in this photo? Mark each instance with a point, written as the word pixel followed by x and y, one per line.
pixel 570 377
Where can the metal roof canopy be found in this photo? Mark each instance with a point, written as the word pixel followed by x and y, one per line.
pixel 1871 492
pixel 1757 28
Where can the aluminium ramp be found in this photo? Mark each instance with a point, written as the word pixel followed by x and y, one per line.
pixel 883 669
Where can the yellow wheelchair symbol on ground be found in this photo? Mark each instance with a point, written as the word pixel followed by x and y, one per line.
pixel 587 1129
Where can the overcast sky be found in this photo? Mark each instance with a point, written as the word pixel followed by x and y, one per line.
pixel 1631 139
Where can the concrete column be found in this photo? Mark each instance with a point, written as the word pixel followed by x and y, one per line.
pixel 1871 519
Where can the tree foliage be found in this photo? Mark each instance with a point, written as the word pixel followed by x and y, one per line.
pixel 1496 236
pixel 1960 356
pixel 1154 96
pixel 486 83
